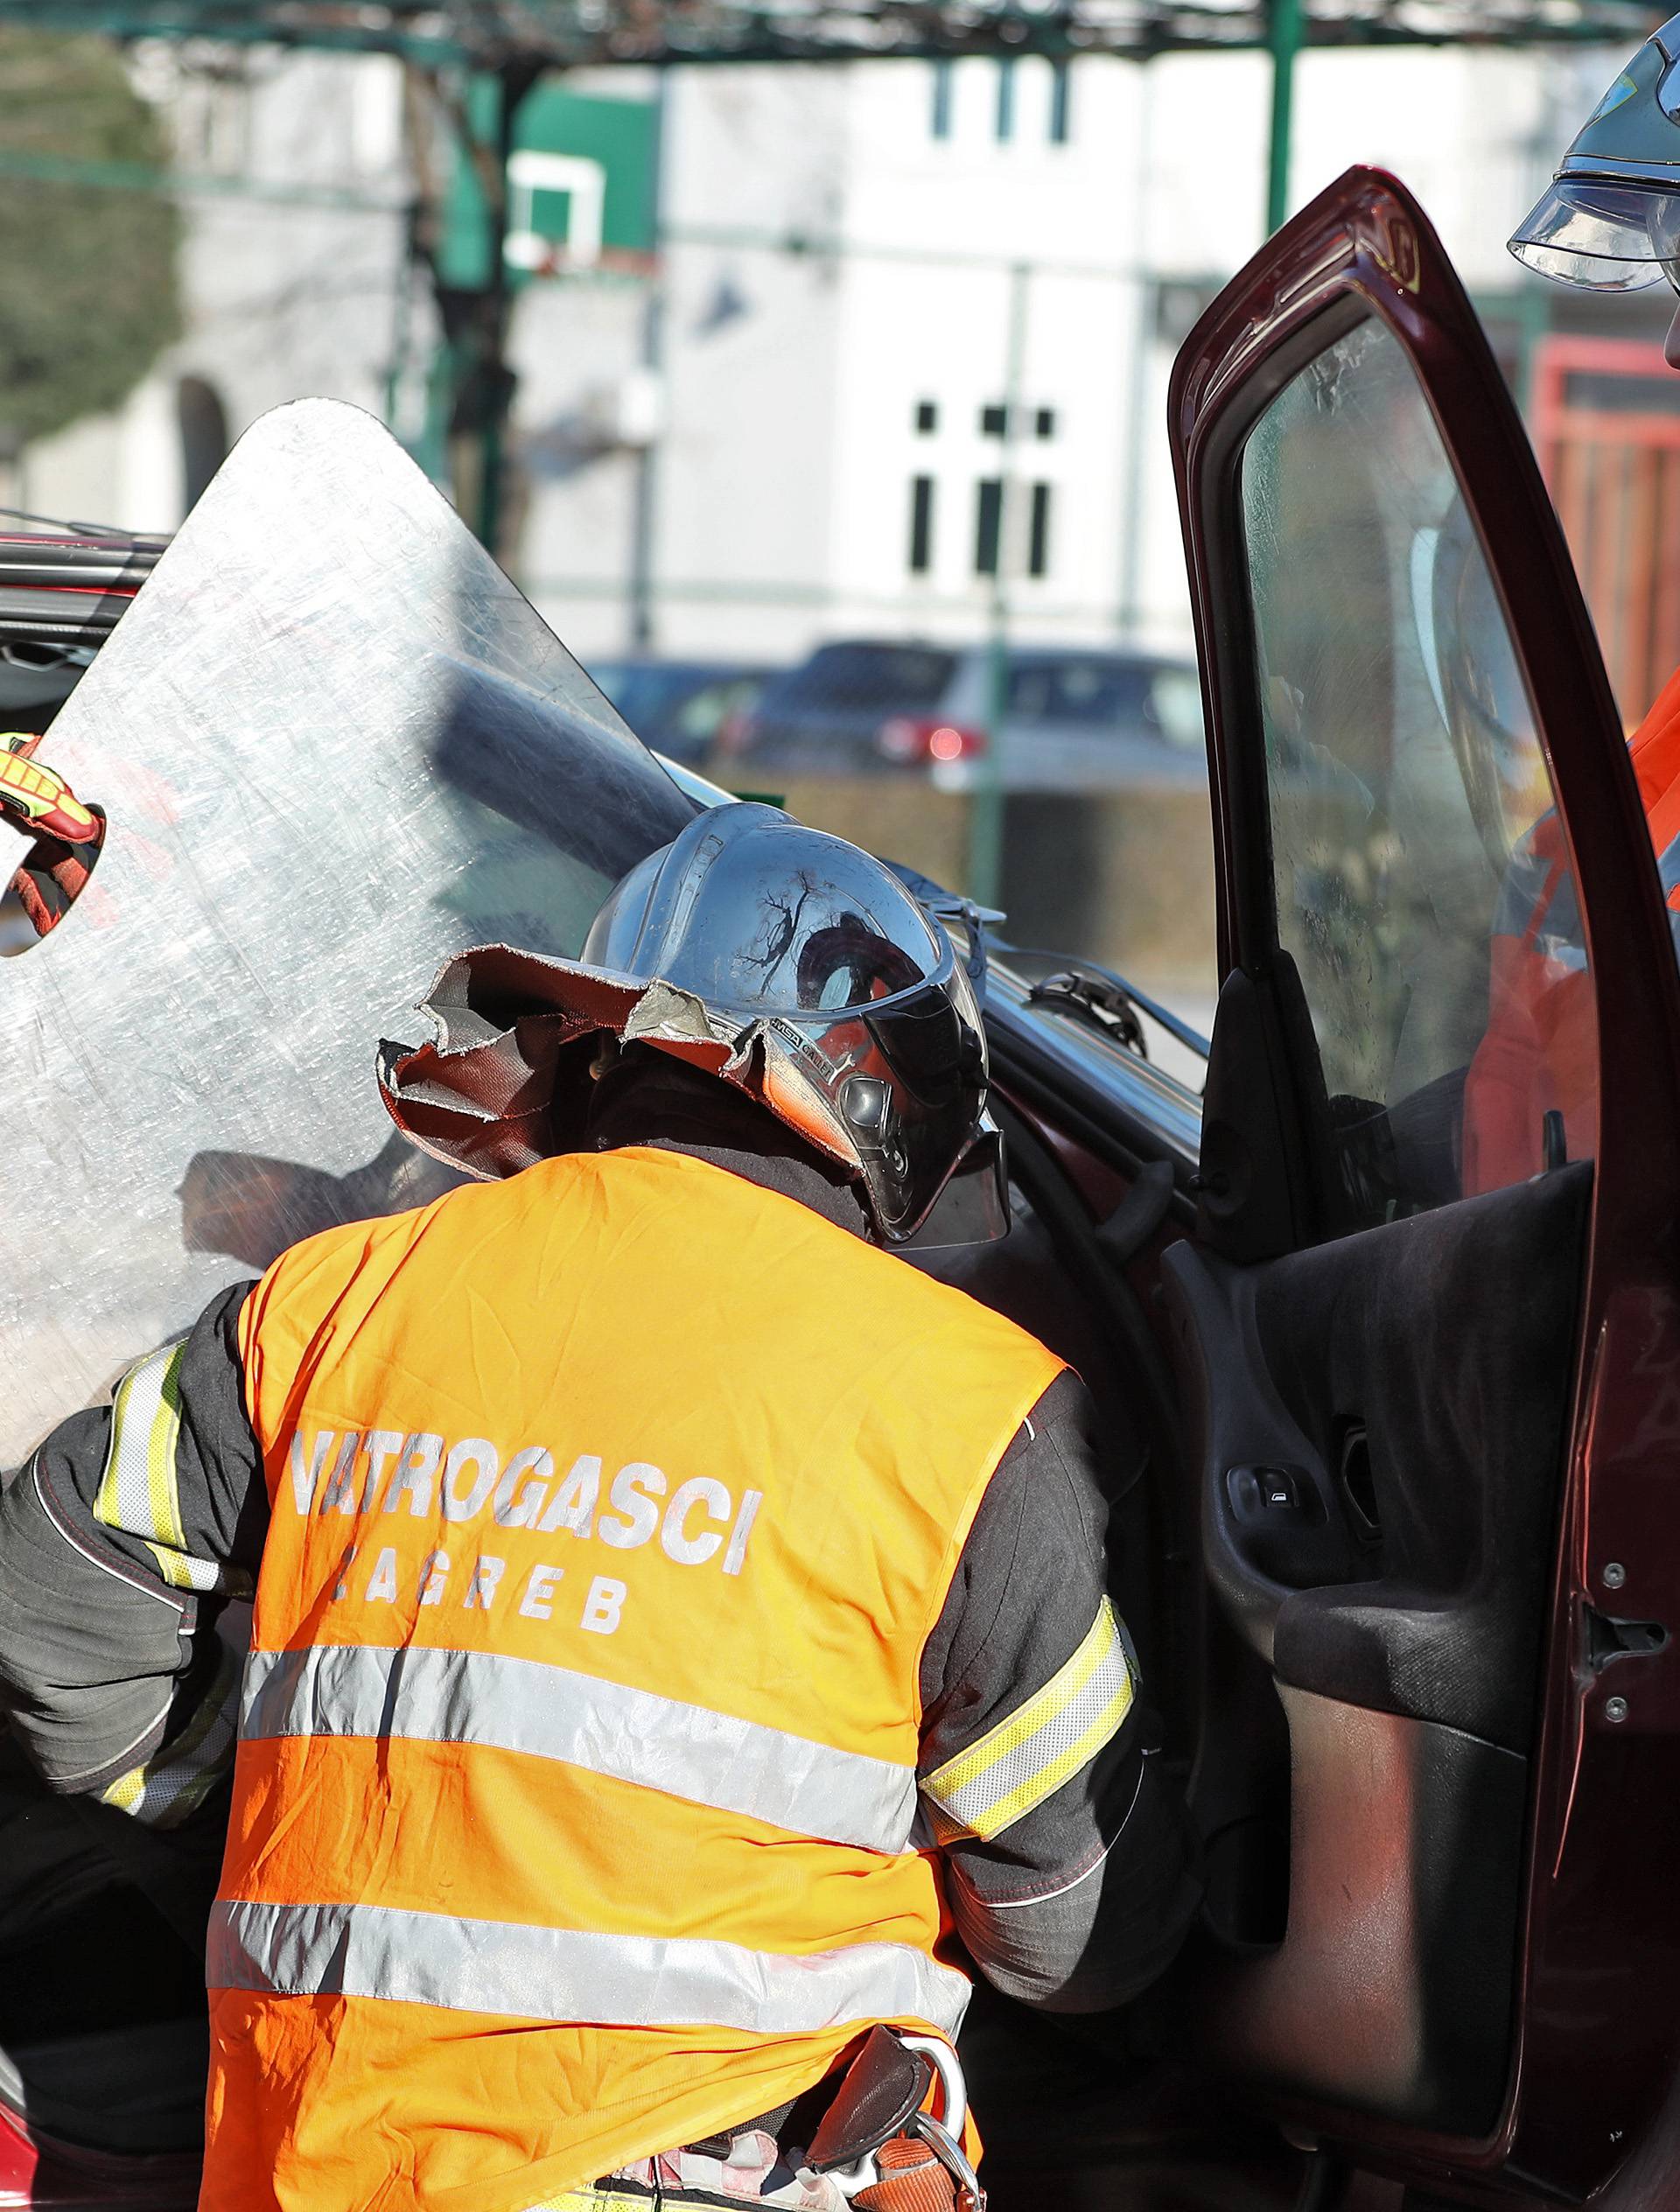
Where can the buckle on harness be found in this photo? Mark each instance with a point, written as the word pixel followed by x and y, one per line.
pixel 878 2105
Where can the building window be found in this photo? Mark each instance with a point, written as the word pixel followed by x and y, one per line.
pixel 927 417
pixel 1005 98
pixel 1044 422
pixel 1037 548
pixel 987 525
pixel 1061 78
pixel 921 525
pixel 994 421
pixel 941 109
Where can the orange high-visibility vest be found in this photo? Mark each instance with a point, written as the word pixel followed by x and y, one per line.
pixel 1541 1046
pixel 612 1507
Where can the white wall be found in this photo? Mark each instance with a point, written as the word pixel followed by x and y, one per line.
pixel 784 487
pixel 943 229
pixel 749 465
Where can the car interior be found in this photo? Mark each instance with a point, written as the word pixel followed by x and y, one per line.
pixel 104 2041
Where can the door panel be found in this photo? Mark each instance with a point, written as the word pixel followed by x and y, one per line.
pixel 1410 1571
pixel 1396 1580
pixel 1439 1139
pixel 1406 1849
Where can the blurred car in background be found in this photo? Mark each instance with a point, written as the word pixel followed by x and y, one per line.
pixel 1073 719
pixel 678 707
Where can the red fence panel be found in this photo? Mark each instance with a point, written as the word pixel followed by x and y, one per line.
pixel 1604 414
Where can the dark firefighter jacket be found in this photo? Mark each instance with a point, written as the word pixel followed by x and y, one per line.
pixel 1061 1858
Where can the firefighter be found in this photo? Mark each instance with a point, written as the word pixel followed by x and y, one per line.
pixel 674 1614
pixel 1608 221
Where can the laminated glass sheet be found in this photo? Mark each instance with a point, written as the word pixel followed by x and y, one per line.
pixel 335 746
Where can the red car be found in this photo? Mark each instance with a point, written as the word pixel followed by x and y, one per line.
pixel 1385 1326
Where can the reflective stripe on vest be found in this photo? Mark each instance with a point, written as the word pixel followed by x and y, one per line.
pixel 569 1974
pixel 555 1712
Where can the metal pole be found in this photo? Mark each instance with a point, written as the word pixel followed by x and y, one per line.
pixel 986 807
pixel 652 361
pixel 493 363
pixel 1138 426
pixel 1285 28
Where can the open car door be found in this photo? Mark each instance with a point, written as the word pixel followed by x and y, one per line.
pixel 1427 1330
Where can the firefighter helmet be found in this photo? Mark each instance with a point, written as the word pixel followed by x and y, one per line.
pixel 1610 219
pixel 849 1013
pixel 779 959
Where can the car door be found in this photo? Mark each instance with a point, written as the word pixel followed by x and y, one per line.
pixel 1426 1331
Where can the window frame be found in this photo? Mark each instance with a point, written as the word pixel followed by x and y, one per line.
pixel 942 100
pixel 924 496
pixel 1003 112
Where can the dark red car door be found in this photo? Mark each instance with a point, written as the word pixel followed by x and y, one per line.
pixel 1428 1331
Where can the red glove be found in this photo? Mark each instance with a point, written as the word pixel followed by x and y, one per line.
pixel 64 836
pixel 36 800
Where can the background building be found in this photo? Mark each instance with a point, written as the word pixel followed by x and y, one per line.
pixel 784 334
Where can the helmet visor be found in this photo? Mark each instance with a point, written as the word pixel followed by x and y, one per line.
pixel 764 917
pixel 906 1083
pixel 1602 236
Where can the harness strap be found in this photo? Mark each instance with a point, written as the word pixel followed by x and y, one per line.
pixel 913 2179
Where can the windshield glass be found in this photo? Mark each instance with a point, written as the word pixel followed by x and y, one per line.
pixel 867 675
pixel 1078 688
pixel 335 746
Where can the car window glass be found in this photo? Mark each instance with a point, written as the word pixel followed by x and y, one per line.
pixel 644 695
pixel 700 715
pixel 1088 688
pixel 1175 707
pixel 1423 886
pixel 866 677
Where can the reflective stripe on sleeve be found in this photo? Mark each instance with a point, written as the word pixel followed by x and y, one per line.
pixel 552 1713
pixel 1044 1743
pixel 605 2199
pixel 565 1974
pixel 139 1492
pixel 164 1788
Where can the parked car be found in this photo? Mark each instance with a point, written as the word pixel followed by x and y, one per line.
pixel 1073 719
pixel 678 707
pixel 1383 1338
pixel 826 716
